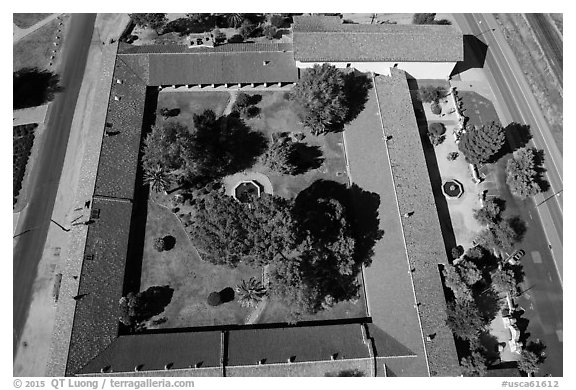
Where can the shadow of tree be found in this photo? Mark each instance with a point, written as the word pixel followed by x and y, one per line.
pixel 33 87
pixel 305 157
pixel 356 87
pixel 519 227
pixel 540 170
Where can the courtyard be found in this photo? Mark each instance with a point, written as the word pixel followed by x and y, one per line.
pixel 182 268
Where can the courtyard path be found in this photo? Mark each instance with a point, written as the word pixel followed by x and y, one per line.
pixel 19 33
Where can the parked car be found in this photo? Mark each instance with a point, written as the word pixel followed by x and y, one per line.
pixel 515 257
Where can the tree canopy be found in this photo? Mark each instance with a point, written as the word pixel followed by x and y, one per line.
pixel 430 93
pixel 137 308
pixel 153 21
pixel 491 212
pixel 501 235
pixel 521 174
pixel 279 156
pixel 321 96
pixel 480 145
pixel 465 320
pixel 454 282
pixel 226 231
pixel 33 87
pixel 529 362
pixel 504 281
pixel 474 365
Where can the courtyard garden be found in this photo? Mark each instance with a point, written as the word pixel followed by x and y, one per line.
pixel 248 217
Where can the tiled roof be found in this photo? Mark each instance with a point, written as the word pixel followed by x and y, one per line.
pixel 119 154
pixel 422 232
pixel 310 343
pixel 322 39
pixel 222 67
pixel 227 48
pixel 153 352
pixel 96 316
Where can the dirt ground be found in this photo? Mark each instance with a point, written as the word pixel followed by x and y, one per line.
pixel 546 90
pixel 33 353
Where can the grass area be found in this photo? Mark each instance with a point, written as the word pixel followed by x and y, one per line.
pixel 191 103
pixel 35 49
pixel 182 268
pixel 478 109
pixel 22 141
pixel 191 278
pixel 28 20
pixel 276 115
pixel 533 62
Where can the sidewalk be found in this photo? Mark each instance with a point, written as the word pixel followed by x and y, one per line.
pixel 33 357
pixel 29 115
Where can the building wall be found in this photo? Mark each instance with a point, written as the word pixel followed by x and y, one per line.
pixel 418 70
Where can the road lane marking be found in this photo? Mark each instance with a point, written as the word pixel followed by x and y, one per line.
pixel 536 257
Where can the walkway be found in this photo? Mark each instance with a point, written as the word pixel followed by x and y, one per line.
pixel 29 115
pixel 20 33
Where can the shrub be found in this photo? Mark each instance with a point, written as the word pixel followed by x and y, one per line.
pixel 214 299
pixel 452 156
pixel 522 173
pixel 236 38
pixel 423 18
pixel 432 94
pixel 436 128
pixel 159 244
pixel 435 107
pixel 219 36
pixel 457 251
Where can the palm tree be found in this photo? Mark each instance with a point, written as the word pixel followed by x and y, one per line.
pixel 157 178
pixel 235 20
pixel 250 292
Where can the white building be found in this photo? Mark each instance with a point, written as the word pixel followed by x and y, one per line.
pixel 423 51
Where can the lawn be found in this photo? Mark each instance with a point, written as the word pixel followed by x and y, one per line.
pixel 276 115
pixel 192 279
pixel 28 20
pixel 34 50
pixel 191 103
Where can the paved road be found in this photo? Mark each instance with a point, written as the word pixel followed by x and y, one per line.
pixel 520 106
pixel 544 296
pixel 551 43
pixel 35 220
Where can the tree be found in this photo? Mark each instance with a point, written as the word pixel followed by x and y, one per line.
pixel 474 365
pixel 276 20
pixel 235 20
pixel 33 87
pixel 423 18
pixel 480 145
pixel 270 31
pixel 521 174
pixel 226 231
pixel 169 149
pixel 464 319
pixel 504 281
pixel 279 157
pixel 469 273
pixel 251 292
pixel 454 282
pixel 247 28
pixel 156 177
pixel 153 21
pixel 135 309
pixel 529 362
pixel 457 251
pixel 491 212
pixel 320 95
pixel 499 235
pixel 430 93
pixel 436 133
